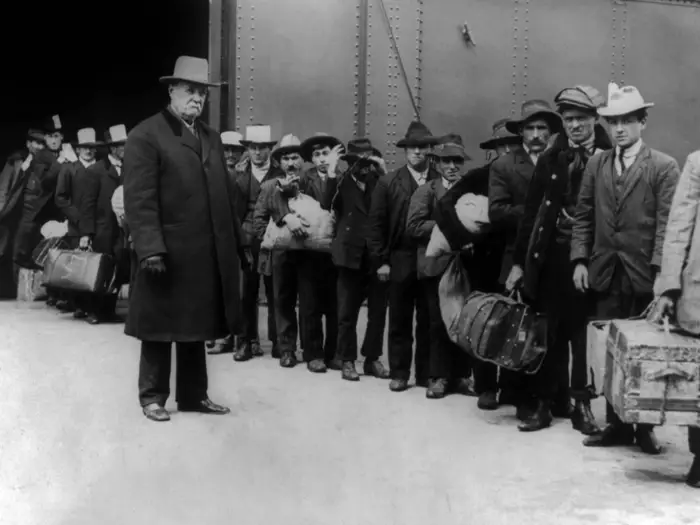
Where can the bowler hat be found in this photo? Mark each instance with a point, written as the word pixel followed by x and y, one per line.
pixel 317 139
pixel 623 101
pixel 451 146
pixel 501 136
pixel 116 135
pixel 289 144
pixel 35 135
pixel 190 69
pixel 535 110
pixel 258 134
pixel 418 135
pixel 361 147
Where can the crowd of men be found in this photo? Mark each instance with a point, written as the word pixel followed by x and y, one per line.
pixel 578 219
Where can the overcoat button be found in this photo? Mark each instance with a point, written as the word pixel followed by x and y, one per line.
pixel 536 256
pixel 554 177
pixel 548 203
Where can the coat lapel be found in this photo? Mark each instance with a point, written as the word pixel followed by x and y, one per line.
pixel 187 139
pixel 205 142
pixel 634 174
pixel 439 189
pixel 407 181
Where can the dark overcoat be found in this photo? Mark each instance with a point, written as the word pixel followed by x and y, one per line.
pixel 627 230
pixel 508 182
pixel 248 191
pixel 388 240
pixel 180 203
pixel 76 197
pixel 39 202
pixel 543 205
pixel 107 238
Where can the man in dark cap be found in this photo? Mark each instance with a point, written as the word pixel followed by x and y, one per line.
pixel 541 264
pixel 508 183
pixel 394 257
pixel 357 280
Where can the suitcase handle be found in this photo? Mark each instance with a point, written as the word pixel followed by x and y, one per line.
pixel 670 373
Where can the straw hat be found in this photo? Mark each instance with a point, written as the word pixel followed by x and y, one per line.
pixel 623 101
pixel 116 135
pixel 258 134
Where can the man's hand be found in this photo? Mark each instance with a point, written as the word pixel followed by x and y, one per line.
pixel 84 243
pixel 665 307
pixel 380 162
pixel 333 159
pixel 581 277
pixel 289 185
pixel 250 260
pixel 154 265
pixel 383 272
pixel 296 225
pixel 515 278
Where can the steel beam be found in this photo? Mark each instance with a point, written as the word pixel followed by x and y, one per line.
pixel 361 92
pixel 218 62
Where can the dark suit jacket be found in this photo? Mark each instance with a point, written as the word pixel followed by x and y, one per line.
pixel 76 197
pixel 629 232
pixel 40 191
pixel 107 231
pixel 248 190
pixel 419 226
pixel 508 182
pixel 388 241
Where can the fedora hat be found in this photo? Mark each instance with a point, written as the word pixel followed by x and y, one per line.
pixel 35 135
pixel 500 136
pixel 417 135
pixel 87 138
pixel 190 69
pixel 289 144
pixel 623 101
pixel 361 147
pixel 451 145
pixel 535 110
pixel 116 134
pixel 258 134
pixel 232 139
pixel 53 125
pixel 317 139
pixel 582 97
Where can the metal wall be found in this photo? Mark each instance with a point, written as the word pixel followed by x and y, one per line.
pixel 299 65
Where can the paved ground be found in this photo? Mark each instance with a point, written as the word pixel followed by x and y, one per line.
pixel 297 449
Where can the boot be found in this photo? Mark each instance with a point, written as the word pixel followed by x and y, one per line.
pixel 276 354
pixel 583 420
pixel 487 401
pixel 350 372
pixel 646 440
pixel 317 366
pixel 376 369
pixel 540 419
pixel 256 348
pixel 437 388
pixel 244 352
pixel 288 360
pixel 693 479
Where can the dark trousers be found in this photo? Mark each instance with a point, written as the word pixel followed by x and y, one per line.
pixel 353 287
pixel 154 372
pixel 620 302
pixel 567 311
pixel 447 360
pixel 250 293
pixel 286 273
pixel 694 440
pixel 406 297
pixel 317 299
pixel 27 238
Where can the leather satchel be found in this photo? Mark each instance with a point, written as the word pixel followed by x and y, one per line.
pixel 79 271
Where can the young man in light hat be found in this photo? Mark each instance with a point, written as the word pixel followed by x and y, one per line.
pixel 180 209
pixel 394 257
pixel 357 280
pixel 285 266
pixel 109 238
pixel 542 267
pixel 618 232
pixel 483 262
pixel 677 285
pixel 508 182
pixel 448 364
pixel 251 175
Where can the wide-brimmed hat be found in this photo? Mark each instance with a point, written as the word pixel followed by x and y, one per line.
pixel 116 135
pixel 417 135
pixel 582 97
pixel 623 101
pixel 361 147
pixel 535 110
pixel 450 146
pixel 500 136
pixel 87 138
pixel 232 139
pixel 317 139
pixel 190 69
pixel 258 134
pixel 53 125
pixel 35 134
pixel 289 144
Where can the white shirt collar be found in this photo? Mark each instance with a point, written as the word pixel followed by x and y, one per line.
pixel 446 184
pixel 115 161
pixel 85 163
pixel 630 152
pixel 420 176
pixel 533 156
pixel 361 185
pixel 259 173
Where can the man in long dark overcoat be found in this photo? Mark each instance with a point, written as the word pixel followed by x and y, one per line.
pixel 179 205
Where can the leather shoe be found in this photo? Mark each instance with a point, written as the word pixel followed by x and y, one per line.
pixel 693 479
pixel 524 410
pixel 398 385
pixel 317 366
pixel 51 301
pixel 244 353
pixel 92 319
pixel 376 369
pixel 437 389
pixel 463 386
pixel 540 419
pixel 256 348
pixel 583 420
pixel 646 440
pixel 334 364
pixel 205 406
pixel 612 436
pixel 79 314
pixel 349 371
pixel 155 412
pixel 288 360
pixel 487 401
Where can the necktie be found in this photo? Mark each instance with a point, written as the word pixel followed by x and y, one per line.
pixel 623 168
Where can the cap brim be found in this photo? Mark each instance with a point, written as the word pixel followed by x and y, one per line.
pixel 452 153
pixel 607 112
pixel 236 146
pixel 285 150
pixel 352 157
pixel 501 141
pixel 88 144
pixel 170 80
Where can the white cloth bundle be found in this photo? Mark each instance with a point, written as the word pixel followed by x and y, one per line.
pixel 472 211
pixel 319 232
pixel 118 203
pixel 54 229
